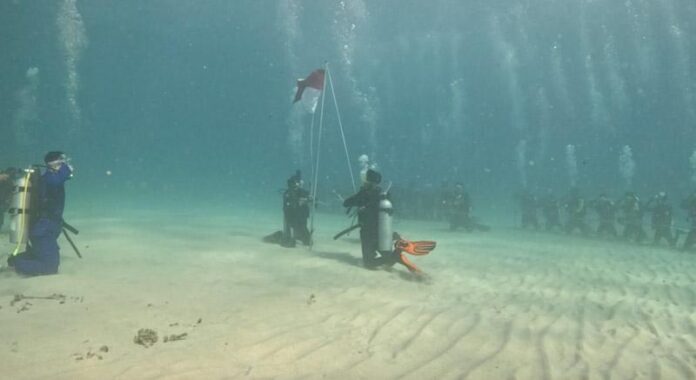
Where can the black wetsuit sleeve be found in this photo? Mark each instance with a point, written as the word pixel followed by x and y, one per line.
pixel 359 199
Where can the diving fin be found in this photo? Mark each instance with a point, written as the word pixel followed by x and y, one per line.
pixel 417 248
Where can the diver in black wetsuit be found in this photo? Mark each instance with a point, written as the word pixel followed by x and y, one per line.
pixel 528 207
pixel 295 213
pixel 689 204
pixel 632 211
pixel 367 201
pixel 459 208
pixel 606 210
pixel 576 213
pixel 661 219
pixel 551 209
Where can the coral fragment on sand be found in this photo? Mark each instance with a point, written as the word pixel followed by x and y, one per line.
pixel 145 337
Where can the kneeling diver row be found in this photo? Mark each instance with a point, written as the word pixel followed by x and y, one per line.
pixel 381 246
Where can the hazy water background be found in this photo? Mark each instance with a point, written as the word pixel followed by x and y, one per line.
pixel 191 100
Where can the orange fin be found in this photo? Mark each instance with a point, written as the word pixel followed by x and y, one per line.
pixel 417 248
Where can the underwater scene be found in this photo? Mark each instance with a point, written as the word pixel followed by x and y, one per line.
pixel 348 189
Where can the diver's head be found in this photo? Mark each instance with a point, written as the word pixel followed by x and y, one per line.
pixel 372 177
pixel 661 196
pixel 55 159
pixel 296 180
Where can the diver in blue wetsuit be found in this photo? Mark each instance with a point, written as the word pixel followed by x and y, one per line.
pixel 42 254
pixel 5 192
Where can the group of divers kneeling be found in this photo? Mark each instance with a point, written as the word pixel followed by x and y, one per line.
pixel 627 213
pixel 381 246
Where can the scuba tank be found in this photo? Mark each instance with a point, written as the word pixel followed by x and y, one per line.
pixel 21 208
pixel 384 227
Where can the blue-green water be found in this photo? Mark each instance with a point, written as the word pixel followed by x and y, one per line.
pixel 191 100
pixel 178 115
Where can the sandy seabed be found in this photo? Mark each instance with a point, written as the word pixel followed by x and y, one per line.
pixel 501 305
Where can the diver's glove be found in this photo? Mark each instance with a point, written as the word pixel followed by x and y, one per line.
pixel 67 162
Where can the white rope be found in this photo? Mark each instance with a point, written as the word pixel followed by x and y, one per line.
pixel 340 125
pixel 316 167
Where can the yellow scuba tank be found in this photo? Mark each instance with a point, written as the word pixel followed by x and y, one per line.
pixel 20 209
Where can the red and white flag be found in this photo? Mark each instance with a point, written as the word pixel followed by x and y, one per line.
pixel 309 89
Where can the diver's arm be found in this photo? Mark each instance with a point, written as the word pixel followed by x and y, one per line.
pixel 59 176
pixel 358 199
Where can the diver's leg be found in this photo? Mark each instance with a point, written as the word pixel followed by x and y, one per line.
pixel 45 255
pixel 629 232
pixel 469 224
pixel 369 245
pixel 671 238
pixel 453 222
pixel 287 239
pixel 690 238
pixel 303 232
pixel 299 230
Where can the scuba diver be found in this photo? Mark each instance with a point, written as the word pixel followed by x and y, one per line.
pixel 296 201
pixel 606 211
pixel 444 196
pixel 296 212
pixel 661 219
pixel 576 213
pixel 689 204
pixel 528 207
pixel 551 209
pixel 632 217
pixel 374 220
pixel 459 206
pixel 42 255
